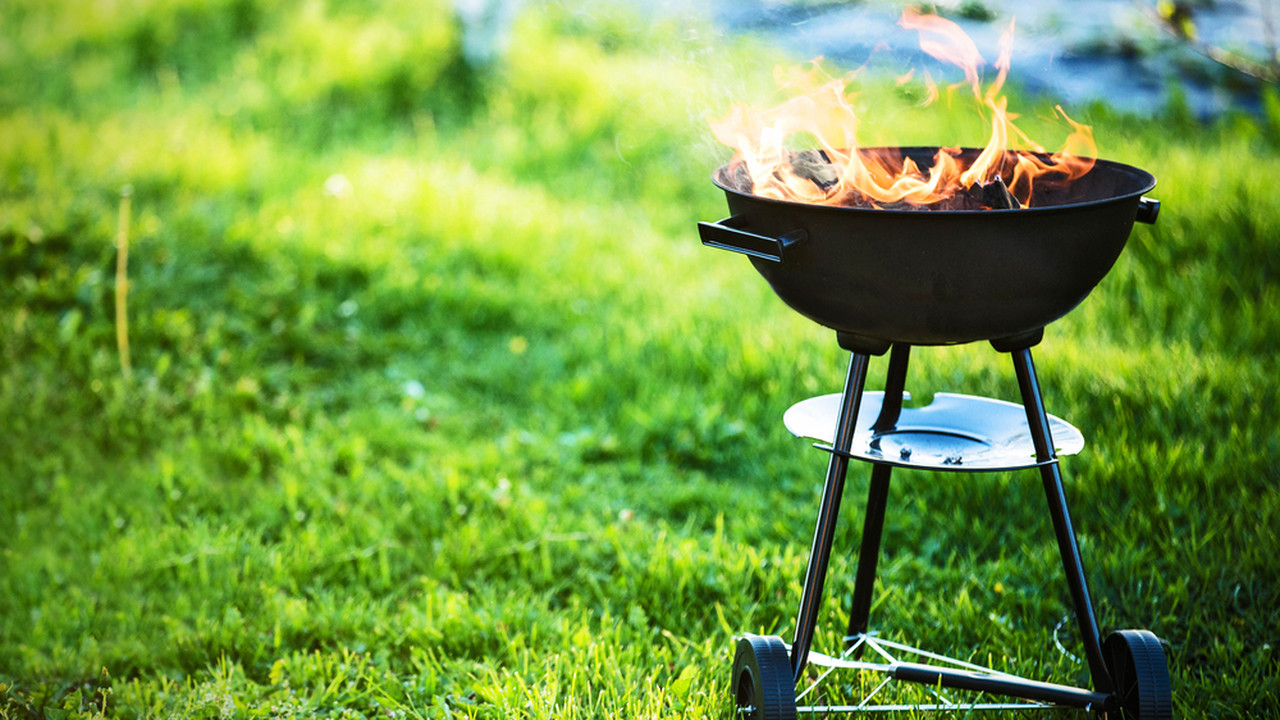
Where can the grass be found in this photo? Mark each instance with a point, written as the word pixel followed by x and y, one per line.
pixel 438 408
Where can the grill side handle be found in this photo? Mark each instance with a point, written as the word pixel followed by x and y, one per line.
pixel 727 234
pixel 1148 210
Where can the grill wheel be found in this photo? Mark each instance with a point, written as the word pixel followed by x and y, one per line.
pixel 1136 661
pixel 763 687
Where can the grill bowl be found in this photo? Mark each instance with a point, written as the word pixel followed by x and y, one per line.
pixel 937 277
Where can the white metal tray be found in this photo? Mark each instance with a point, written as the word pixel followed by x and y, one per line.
pixel 954 432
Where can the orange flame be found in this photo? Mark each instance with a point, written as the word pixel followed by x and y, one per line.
pixel 823 110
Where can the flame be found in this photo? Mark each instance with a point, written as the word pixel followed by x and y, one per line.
pixel 822 108
pixel 945 41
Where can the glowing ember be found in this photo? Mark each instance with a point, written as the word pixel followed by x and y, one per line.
pixel 840 172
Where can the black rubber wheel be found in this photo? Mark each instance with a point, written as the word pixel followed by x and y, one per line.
pixel 763 687
pixel 1135 659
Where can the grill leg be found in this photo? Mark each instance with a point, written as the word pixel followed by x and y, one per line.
pixel 1051 476
pixel 877 498
pixel 824 533
pixel 868 555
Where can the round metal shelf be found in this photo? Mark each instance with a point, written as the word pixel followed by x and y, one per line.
pixel 955 432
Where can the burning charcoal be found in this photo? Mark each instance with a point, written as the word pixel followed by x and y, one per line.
pixel 996 196
pixel 974 199
pixel 812 165
pixel 969 198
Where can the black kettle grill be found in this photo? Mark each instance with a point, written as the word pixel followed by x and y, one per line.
pixel 889 279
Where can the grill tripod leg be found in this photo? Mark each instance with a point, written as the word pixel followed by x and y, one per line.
pixel 828 511
pixel 877 499
pixel 1051 476
pixel 868 555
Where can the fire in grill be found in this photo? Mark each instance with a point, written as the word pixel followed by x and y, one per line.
pixel 837 171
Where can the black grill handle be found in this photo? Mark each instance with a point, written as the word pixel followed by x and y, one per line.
pixel 727 234
pixel 1148 210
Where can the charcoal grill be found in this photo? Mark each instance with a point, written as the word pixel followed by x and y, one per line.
pixel 888 280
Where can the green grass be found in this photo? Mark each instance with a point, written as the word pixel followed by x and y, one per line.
pixel 439 409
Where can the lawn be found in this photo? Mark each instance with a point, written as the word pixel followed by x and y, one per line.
pixel 436 407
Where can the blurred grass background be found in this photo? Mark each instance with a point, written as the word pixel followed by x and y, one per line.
pixel 438 408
